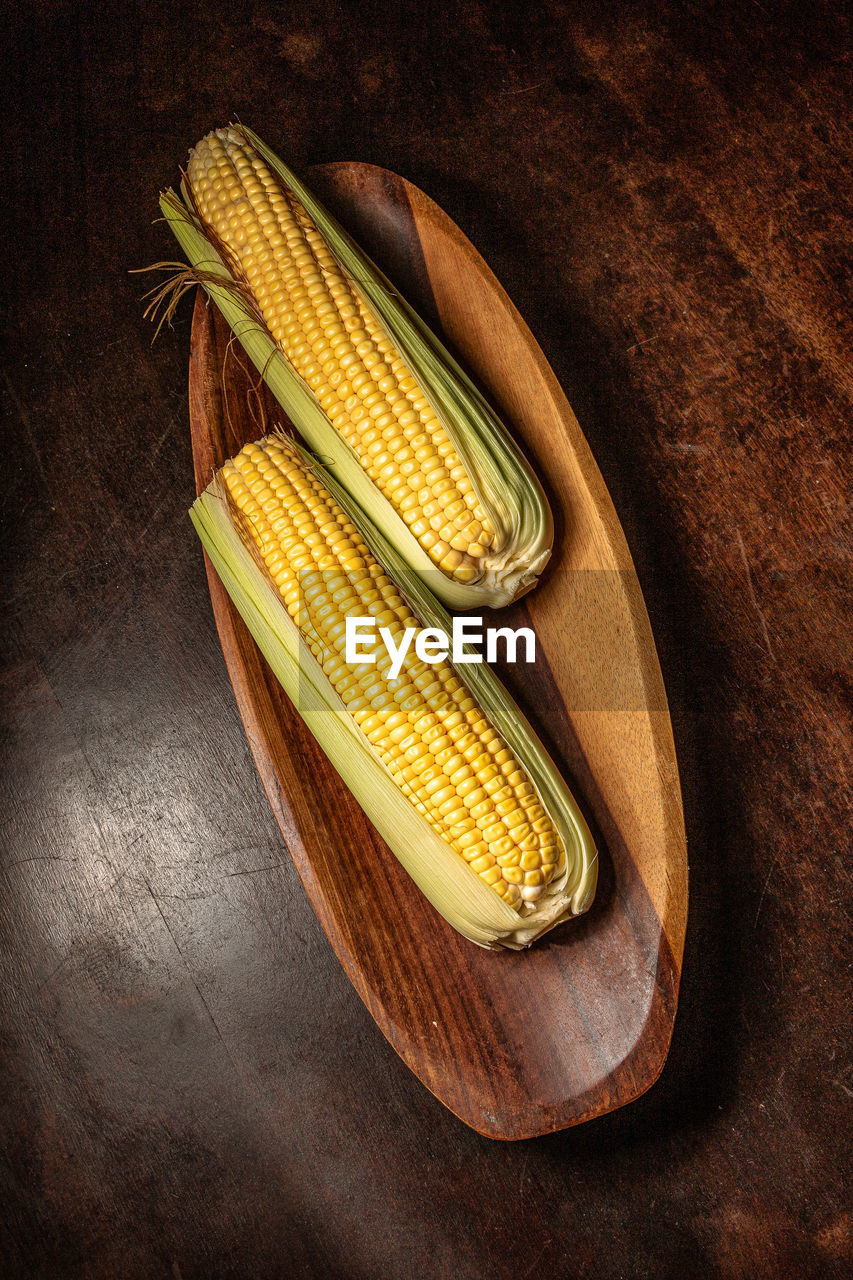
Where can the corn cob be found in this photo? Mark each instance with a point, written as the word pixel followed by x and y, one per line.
pixel 424 729
pixel 323 323
pixel 462 504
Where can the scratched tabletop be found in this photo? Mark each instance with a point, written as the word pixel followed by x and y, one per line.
pixel 190 1085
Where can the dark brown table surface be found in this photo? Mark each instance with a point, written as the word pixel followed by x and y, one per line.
pixel 190 1086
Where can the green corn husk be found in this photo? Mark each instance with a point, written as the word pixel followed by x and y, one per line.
pixel 502 479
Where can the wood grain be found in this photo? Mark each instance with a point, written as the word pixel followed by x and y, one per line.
pixel 515 1045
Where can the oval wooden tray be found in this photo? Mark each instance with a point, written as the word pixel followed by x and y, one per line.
pixel 516 1044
